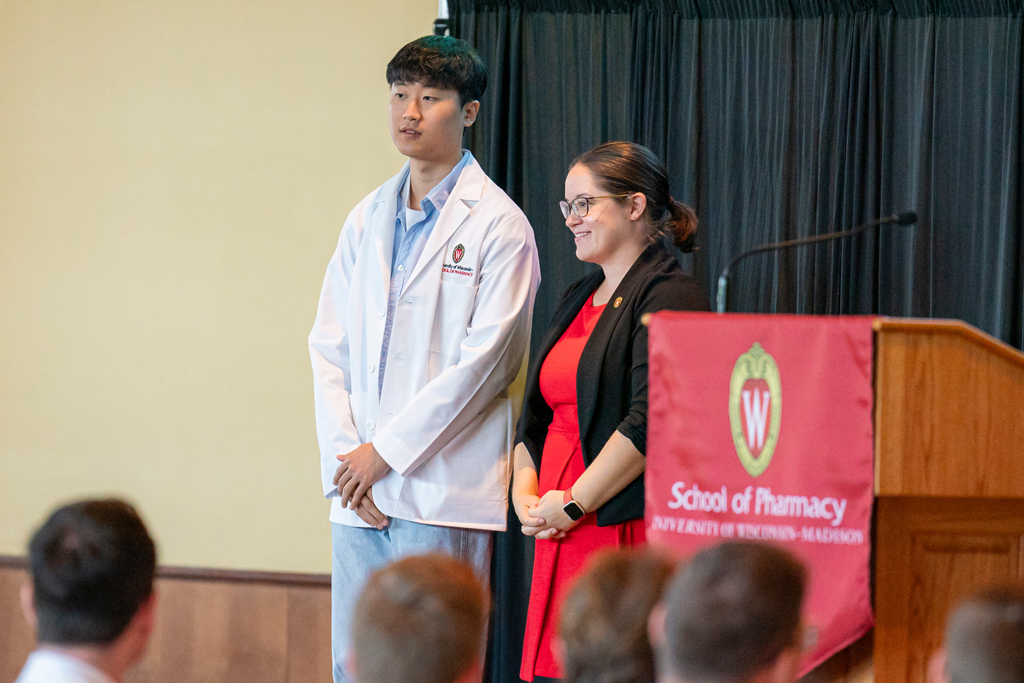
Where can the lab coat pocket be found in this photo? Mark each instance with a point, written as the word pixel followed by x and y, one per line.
pixel 466 482
pixel 452 317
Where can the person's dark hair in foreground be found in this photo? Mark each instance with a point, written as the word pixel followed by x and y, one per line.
pixel 92 566
pixel 419 620
pixel 440 62
pixel 733 615
pixel 91 598
pixel 984 640
pixel 603 625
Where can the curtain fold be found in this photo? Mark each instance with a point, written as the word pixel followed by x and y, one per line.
pixel 776 119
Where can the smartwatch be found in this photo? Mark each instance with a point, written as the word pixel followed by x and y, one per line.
pixel 571 507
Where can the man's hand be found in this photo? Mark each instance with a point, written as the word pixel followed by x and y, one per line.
pixel 358 471
pixel 369 513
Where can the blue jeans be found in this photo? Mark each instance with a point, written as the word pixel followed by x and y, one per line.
pixel 357 552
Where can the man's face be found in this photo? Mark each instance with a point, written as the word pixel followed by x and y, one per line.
pixel 427 123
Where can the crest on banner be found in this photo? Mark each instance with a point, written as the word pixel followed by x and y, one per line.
pixel 755 408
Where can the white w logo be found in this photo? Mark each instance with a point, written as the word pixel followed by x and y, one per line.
pixel 757 417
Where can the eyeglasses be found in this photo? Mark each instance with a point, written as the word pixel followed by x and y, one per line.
pixel 581 205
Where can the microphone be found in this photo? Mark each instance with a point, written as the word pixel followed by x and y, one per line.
pixel 906 218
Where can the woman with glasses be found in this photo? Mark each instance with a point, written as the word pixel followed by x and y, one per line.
pixel 578 484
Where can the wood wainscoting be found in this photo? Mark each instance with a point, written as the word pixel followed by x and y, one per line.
pixel 212 626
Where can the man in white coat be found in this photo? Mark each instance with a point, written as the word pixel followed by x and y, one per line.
pixel 423 323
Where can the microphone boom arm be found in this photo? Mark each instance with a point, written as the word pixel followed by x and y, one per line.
pixel 723 279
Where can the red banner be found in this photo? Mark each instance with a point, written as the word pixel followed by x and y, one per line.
pixel 760 428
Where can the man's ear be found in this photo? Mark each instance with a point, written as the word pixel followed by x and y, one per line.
pixel 656 626
pixel 785 667
pixel 350 666
pixel 558 650
pixel 937 667
pixel 28 605
pixel 474 673
pixel 135 638
pixel 146 616
pixel 469 112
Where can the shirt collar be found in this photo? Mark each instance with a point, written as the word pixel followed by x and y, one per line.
pixel 436 198
pixel 403 196
pixel 48 664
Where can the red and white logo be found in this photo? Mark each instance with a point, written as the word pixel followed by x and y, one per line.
pixel 755 408
pixel 756 404
pixel 459 252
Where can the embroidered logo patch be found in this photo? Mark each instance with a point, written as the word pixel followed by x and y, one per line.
pixel 454 268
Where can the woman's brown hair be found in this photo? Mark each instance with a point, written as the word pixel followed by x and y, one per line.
pixel 628 168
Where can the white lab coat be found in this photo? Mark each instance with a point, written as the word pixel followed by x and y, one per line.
pixel 443 421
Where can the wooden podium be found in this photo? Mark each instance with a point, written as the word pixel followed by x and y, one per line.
pixel 949 481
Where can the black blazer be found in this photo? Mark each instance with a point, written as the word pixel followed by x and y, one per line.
pixel 611 381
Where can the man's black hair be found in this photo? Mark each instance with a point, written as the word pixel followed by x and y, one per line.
pixel 732 612
pixel 440 62
pixel 92 565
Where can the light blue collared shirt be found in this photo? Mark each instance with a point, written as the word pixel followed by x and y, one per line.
pixel 409 243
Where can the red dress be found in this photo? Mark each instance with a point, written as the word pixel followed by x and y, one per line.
pixel 557 563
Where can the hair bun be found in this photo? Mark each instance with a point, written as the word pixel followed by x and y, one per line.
pixel 682 224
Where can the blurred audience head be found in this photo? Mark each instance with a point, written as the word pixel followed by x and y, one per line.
pixel 91 597
pixel 92 565
pixel 419 620
pixel 603 626
pixel 984 640
pixel 731 616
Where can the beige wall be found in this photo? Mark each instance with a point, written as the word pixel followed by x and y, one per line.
pixel 173 177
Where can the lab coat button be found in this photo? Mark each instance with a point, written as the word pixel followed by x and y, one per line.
pixel 371 425
pixel 381 312
pixel 372 368
pixel 401 268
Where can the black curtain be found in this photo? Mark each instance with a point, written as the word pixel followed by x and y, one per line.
pixel 776 119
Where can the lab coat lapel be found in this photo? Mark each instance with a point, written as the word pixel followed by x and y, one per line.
pixel 588 378
pixel 382 228
pixel 469 188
